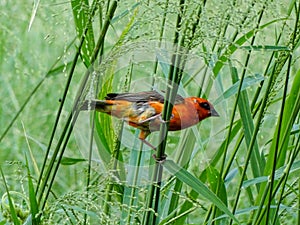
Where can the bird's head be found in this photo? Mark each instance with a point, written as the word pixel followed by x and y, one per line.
pixel 204 108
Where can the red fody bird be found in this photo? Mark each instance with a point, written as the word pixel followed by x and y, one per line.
pixel 143 110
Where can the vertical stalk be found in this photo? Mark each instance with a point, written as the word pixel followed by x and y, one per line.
pixel 281 117
pixel 116 151
pixel 134 181
pixel 51 172
pixel 172 87
pixel 277 141
pixel 161 34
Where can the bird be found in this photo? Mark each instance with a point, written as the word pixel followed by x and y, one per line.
pixel 143 110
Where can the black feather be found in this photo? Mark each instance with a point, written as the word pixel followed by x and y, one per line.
pixel 141 97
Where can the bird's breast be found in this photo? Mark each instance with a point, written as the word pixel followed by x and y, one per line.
pixel 183 116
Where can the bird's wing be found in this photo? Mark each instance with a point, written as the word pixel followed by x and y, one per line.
pixel 145 96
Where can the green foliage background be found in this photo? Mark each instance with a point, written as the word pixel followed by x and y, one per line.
pixel 223 167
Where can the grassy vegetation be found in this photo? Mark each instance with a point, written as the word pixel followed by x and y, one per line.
pixel 60 165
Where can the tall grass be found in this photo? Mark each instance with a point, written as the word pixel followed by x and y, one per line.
pixel 240 168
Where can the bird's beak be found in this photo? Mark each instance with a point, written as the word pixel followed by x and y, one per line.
pixel 213 112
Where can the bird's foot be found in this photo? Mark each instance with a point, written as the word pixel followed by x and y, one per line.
pixel 147 143
pixel 161 159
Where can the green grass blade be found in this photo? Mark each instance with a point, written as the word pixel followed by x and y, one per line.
pixel 131 193
pixel 265 48
pixel 12 209
pixel 34 208
pixel 278 174
pixel 125 12
pixel 234 46
pixel 257 164
pixel 71 161
pixel 197 186
pixel 247 82
pixel 183 155
pixel 216 184
pixel 82 19
pixel 36 4
pixel 291 112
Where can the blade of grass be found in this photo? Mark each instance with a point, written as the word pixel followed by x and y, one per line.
pixel 35 7
pixel 197 186
pixel 54 70
pixel 12 209
pixel 270 215
pixel 234 46
pixel 130 197
pixel 249 81
pixel 52 169
pixel 182 158
pixel 153 197
pixel 82 15
pixel 257 164
pixel 253 137
pixel 34 209
pixel 265 48
pixel 278 67
pixel 295 167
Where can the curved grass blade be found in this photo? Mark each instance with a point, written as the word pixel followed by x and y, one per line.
pixel 247 82
pixel 278 174
pixel 197 186
pixel 12 209
pixel 234 46
pixel 54 70
pixel 82 21
pixel 34 208
pixel 36 4
pixel 291 111
pixel 265 48
pixel 257 163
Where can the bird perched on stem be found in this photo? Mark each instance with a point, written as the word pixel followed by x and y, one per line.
pixel 143 110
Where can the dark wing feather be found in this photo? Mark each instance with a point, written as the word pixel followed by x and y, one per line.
pixel 141 97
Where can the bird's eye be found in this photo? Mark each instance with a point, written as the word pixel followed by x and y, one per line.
pixel 205 105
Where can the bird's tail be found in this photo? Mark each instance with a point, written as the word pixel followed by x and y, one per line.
pixel 95 104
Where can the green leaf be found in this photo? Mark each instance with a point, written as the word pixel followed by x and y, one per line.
pixel 247 82
pixel 130 196
pixel 197 186
pixel 12 209
pixel 71 161
pixel 278 174
pixel 291 111
pixel 36 4
pixel 34 209
pixel 82 21
pixel 257 163
pixel 265 47
pixel 234 46
pixel 218 154
pixel 213 178
pixel 125 13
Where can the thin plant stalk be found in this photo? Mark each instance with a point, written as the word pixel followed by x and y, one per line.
pixel 161 34
pixel 70 76
pixel 154 192
pixel 133 190
pixel 277 141
pixel 72 117
pixel 281 118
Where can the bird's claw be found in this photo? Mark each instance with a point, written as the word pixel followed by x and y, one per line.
pixel 161 159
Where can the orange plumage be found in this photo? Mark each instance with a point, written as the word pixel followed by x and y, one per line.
pixel 143 110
